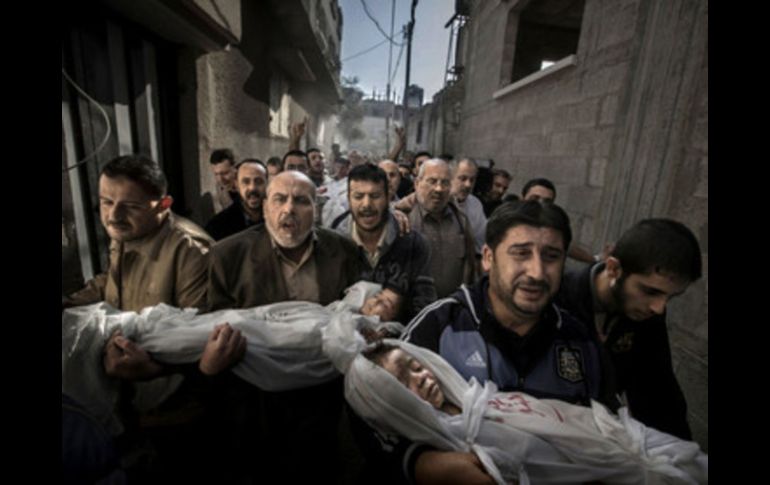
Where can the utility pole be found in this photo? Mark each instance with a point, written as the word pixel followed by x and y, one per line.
pixel 387 90
pixel 409 31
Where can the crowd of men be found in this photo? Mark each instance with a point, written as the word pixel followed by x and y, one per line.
pixel 479 278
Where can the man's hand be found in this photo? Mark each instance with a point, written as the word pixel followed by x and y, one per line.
pixel 123 359
pixel 606 251
pixel 400 133
pixel 403 222
pixel 399 145
pixel 296 131
pixel 224 348
pixel 407 203
pixel 449 467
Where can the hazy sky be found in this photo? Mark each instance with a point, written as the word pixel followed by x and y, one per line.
pixel 429 44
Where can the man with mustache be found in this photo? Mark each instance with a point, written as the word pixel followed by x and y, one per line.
pixel 286 258
pixel 445 227
pixel 155 256
pixel 398 262
pixel 623 302
pixel 464 174
pixel 505 328
pixel 222 163
pixel 251 180
pixel 501 179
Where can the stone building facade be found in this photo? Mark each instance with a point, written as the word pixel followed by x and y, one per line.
pixel 618 120
pixel 176 80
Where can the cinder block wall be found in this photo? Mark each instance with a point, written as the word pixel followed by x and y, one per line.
pixel 623 134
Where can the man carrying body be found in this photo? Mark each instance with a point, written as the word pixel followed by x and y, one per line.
pixel 155 257
pixel 286 258
pixel 251 181
pixel 396 261
pixel 504 328
pixel 623 302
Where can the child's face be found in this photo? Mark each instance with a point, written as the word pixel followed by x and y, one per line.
pixel 411 373
pixel 385 304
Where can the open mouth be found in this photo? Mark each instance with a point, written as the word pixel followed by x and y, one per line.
pixel 532 292
pixel 368 217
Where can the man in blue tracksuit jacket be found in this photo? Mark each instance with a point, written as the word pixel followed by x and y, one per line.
pixel 505 328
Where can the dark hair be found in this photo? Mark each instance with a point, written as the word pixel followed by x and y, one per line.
pixel 541 182
pixel 422 154
pixel 377 353
pixel 501 173
pixel 275 161
pixel 296 153
pixel 529 213
pixel 251 160
pixel 311 150
pixel 369 173
pixel 659 245
pixel 342 160
pixel 510 198
pixel 220 155
pixel 140 170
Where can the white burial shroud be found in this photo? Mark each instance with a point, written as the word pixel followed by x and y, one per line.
pixel 516 436
pixel 283 346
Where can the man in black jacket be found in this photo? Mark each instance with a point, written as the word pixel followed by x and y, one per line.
pixel 623 302
pixel 396 261
pixel 251 181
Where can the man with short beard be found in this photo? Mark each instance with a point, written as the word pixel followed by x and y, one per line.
pixel 623 302
pixel 394 178
pixel 501 179
pixel 251 181
pixel 286 258
pixel 398 262
pixel 506 329
pixel 222 163
pixel 317 169
pixel 464 174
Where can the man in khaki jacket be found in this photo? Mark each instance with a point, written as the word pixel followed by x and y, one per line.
pixel 155 257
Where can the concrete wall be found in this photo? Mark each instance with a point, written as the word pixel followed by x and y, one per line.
pixel 226 13
pixel 623 134
pixel 232 103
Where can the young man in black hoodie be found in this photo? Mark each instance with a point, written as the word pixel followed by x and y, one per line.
pixel 623 302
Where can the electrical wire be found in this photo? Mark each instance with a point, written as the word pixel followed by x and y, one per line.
pixel 398 61
pixel 106 120
pixel 368 49
pixel 377 24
